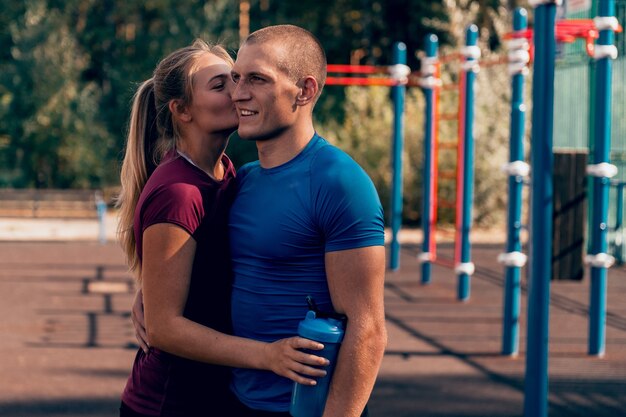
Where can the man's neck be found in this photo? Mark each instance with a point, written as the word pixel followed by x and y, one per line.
pixel 280 150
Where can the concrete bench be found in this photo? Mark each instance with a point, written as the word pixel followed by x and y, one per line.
pixel 50 203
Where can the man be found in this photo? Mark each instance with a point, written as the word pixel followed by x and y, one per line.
pixel 306 221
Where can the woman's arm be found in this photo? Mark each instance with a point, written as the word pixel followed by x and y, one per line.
pixel 139 321
pixel 168 254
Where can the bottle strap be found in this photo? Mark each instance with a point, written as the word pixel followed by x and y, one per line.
pixel 324 314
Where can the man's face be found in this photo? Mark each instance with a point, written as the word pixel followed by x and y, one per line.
pixel 264 95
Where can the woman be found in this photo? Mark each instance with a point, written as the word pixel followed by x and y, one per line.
pixel 177 186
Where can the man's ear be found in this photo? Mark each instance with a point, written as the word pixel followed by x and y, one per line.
pixel 179 110
pixel 308 90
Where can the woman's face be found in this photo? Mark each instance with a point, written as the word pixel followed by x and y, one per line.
pixel 212 110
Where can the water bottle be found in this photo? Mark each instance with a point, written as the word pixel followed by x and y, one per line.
pixel 328 329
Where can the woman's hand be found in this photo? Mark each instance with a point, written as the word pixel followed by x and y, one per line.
pixel 285 358
pixel 139 321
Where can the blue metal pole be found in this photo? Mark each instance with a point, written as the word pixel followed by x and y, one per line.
pixel 397 94
pixel 466 268
pixel 536 380
pixel 510 322
pixel 601 156
pixel 428 86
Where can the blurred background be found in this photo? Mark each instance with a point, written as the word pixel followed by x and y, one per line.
pixel 69 68
pixel 68 71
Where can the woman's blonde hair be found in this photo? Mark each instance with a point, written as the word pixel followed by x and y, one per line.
pixel 152 132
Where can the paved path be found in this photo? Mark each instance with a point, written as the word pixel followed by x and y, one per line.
pixel 57 230
pixel 443 356
pixel 66 349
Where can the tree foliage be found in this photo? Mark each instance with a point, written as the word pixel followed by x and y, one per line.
pixel 69 68
pixel 52 133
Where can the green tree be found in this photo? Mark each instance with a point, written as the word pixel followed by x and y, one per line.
pixel 69 71
pixel 53 137
pixel 357 31
pixel 69 68
pixel 125 39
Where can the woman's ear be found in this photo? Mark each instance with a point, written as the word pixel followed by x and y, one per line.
pixel 308 91
pixel 179 110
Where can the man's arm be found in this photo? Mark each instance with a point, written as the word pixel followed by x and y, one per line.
pixel 356 283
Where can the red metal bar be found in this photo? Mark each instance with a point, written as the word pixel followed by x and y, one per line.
pixel 356 69
pixel 448 145
pixel 448 116
pixel 450 87
pixel 448 263
pixel 447 175
pixel 567 31
pixel 389 82
pixel 448 205
pixel 414 79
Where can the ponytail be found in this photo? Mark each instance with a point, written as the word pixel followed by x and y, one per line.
pixel 139 162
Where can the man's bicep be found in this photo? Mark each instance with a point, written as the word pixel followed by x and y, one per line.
pixel 356 280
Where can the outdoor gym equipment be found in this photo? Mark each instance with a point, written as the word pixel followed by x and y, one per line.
pixel 397 76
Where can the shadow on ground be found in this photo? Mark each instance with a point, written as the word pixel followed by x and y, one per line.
pixel 463 396
pixel 66 407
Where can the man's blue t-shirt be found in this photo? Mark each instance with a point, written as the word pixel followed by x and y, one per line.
pixel 282 222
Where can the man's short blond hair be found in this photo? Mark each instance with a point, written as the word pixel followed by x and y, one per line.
pixel 302 53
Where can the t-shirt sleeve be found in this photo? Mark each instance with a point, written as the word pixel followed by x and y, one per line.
pixel 347 205
pixel 179 204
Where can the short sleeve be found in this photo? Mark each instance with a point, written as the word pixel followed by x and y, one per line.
pixel 178 203
pixel 347 206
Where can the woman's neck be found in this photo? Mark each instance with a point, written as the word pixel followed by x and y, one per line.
pixel 206 154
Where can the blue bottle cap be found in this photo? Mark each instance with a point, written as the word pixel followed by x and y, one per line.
pixel 324 330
